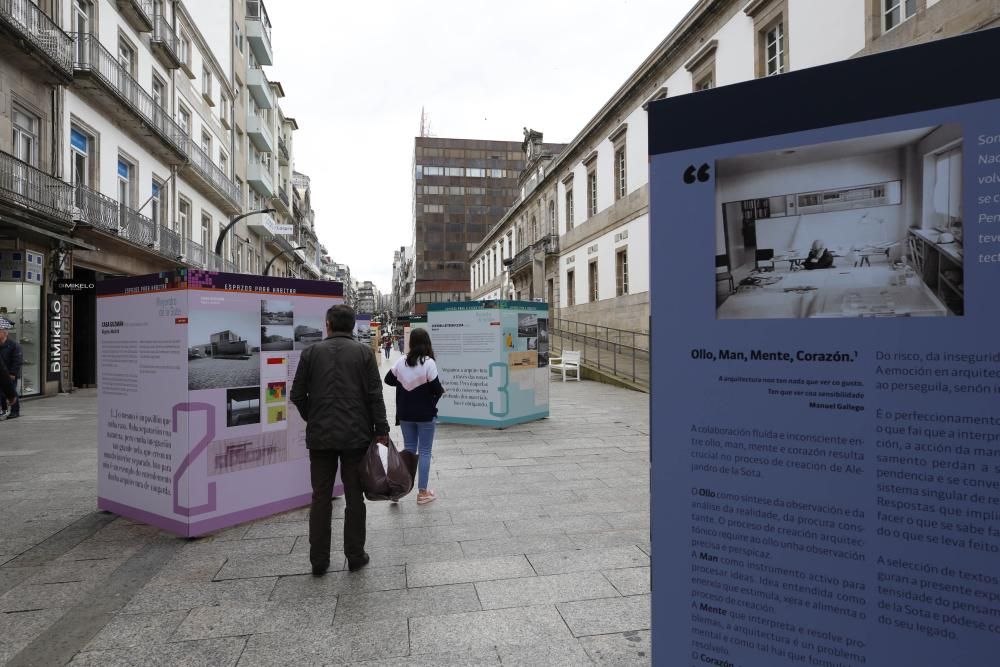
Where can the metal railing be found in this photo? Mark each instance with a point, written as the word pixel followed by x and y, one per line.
pixel 216 263
pixel 96 209
pixel 137 228
pixel 283 148
pixel 36 27
pixel 194 253
pixel 164 35
pixel 257 12
pixel 619 352
pixel 202 163
pixel 549 244
pixel 283 196
pixel 522 259
pixel 91 56
pixel 34 189
pixel 171 244
pixel 142 7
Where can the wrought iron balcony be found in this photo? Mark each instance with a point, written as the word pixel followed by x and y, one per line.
pixel 104 213
pixel 138 14
pixel 220 187
pixel 164 43
pixel 171 243
pixel 522 259
pixel 283 196
pixel 283 154
pixel 112 86
pixel 39 33
pixel 194 253
pixel 259 32
pixel 34 191
pixel 548 244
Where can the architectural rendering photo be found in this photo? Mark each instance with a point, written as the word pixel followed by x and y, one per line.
pixel 222 358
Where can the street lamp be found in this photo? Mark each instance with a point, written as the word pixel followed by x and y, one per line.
pixel 268 267
pixel 225 230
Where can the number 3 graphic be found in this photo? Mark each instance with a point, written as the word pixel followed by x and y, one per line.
pixel 502 389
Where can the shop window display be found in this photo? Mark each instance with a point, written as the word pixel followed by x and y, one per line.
pixel 21 304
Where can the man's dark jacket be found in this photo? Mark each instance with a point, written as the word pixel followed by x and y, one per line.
pixel 338 391
pixel 12 357
pixel 7 388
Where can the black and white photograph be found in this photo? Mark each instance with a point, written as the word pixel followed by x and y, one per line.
pixel 223 356
pixel 308 331
pixel 527 325
pixel 276 338
pixel 862 227
pixel 252 451
pixel 543 342
pixel 276 311
pixel 242 406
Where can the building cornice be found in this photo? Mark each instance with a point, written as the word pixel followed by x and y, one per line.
pixel 701 55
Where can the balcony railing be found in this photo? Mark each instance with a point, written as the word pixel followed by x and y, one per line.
pixel 202 163
pixel 138 13
pixel 283 150
pixel 106 214
pixel 549 244
pixel 283 196
pixel 259 31
pixel 165 43
pixel 91 56
pixel 194 253
pixel 621 353
pixel 34 189
pixel 25 18
pixel 171 244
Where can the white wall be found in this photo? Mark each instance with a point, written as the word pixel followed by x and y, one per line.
pixel 638 263
pixel 215 22
pixel 734 57
pixel 824 32
pixel 837 229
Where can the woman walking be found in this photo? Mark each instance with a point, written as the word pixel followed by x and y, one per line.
pixel 418 389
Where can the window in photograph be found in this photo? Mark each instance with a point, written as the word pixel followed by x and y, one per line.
pixel 621 272
pixel 895 12
pixel 592 289
pixel 571 288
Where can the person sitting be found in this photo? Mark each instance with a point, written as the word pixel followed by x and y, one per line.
pixel 819 257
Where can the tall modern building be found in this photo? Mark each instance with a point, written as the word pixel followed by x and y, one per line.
pixel 461 188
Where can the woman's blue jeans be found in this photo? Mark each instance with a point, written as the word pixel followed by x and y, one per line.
pixel 418 437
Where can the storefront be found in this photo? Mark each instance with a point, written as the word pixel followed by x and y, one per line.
pixel 22 283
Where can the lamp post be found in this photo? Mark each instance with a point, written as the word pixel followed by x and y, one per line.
pixel 232 223
pixel 268 267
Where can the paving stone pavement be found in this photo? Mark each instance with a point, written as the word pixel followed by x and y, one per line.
pixel 535 553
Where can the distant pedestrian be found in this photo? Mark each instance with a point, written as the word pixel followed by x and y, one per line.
pixel 418 390
pixel 400 341
pixel 13 358
pixel 387 346
pixel 338 393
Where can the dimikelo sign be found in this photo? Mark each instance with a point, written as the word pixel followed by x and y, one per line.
pixel 55 347
pixel 70 286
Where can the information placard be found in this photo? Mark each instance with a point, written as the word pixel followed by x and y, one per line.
pixel 196 431
pixel 825 436
pixel 493 360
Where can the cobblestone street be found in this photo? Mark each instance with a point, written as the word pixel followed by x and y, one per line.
pixel 535 553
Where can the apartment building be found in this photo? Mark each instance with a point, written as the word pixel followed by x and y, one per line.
pixel 590 257
pixel 369 298
pixel 129 147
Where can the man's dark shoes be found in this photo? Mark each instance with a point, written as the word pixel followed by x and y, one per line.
pixel 320 570
pixel 355 565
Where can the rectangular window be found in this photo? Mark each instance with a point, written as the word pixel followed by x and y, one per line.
pixel 592 291
pixel 571 288
pixel 592 194
pixel 26 127
pixel 706 83
pixel 895 12
pixel 206 84
pixel 433 208
pixel 206 230
pixel 224 110
pixel 80 146
pixel 224 162
pixel 159 96
pixel 206 143
pixel 774 49
pixel 237 37
pixel 184 119
pixel 184 217
pixel 126 56
pixel 126 174
pixel 621 272
pixel 184 50
pixel 569 209
pixel 158 202
pixel 620 182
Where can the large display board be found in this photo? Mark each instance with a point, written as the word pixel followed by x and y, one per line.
pixel 196 431
pixel 493 359
pixel 825 436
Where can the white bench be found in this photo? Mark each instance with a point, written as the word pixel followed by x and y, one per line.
pixel 569 361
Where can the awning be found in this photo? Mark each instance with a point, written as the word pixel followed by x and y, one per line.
pixel 44 232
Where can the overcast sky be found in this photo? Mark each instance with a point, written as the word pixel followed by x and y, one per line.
pixel 357 74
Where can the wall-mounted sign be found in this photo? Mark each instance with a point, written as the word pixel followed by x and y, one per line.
pixel 55 347
pixel 70 286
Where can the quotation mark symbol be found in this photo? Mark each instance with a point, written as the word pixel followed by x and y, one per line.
pixel 700 174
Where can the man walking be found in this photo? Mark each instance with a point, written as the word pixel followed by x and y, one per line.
pixel 13 359
pixel 338 391
pixel 8 392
